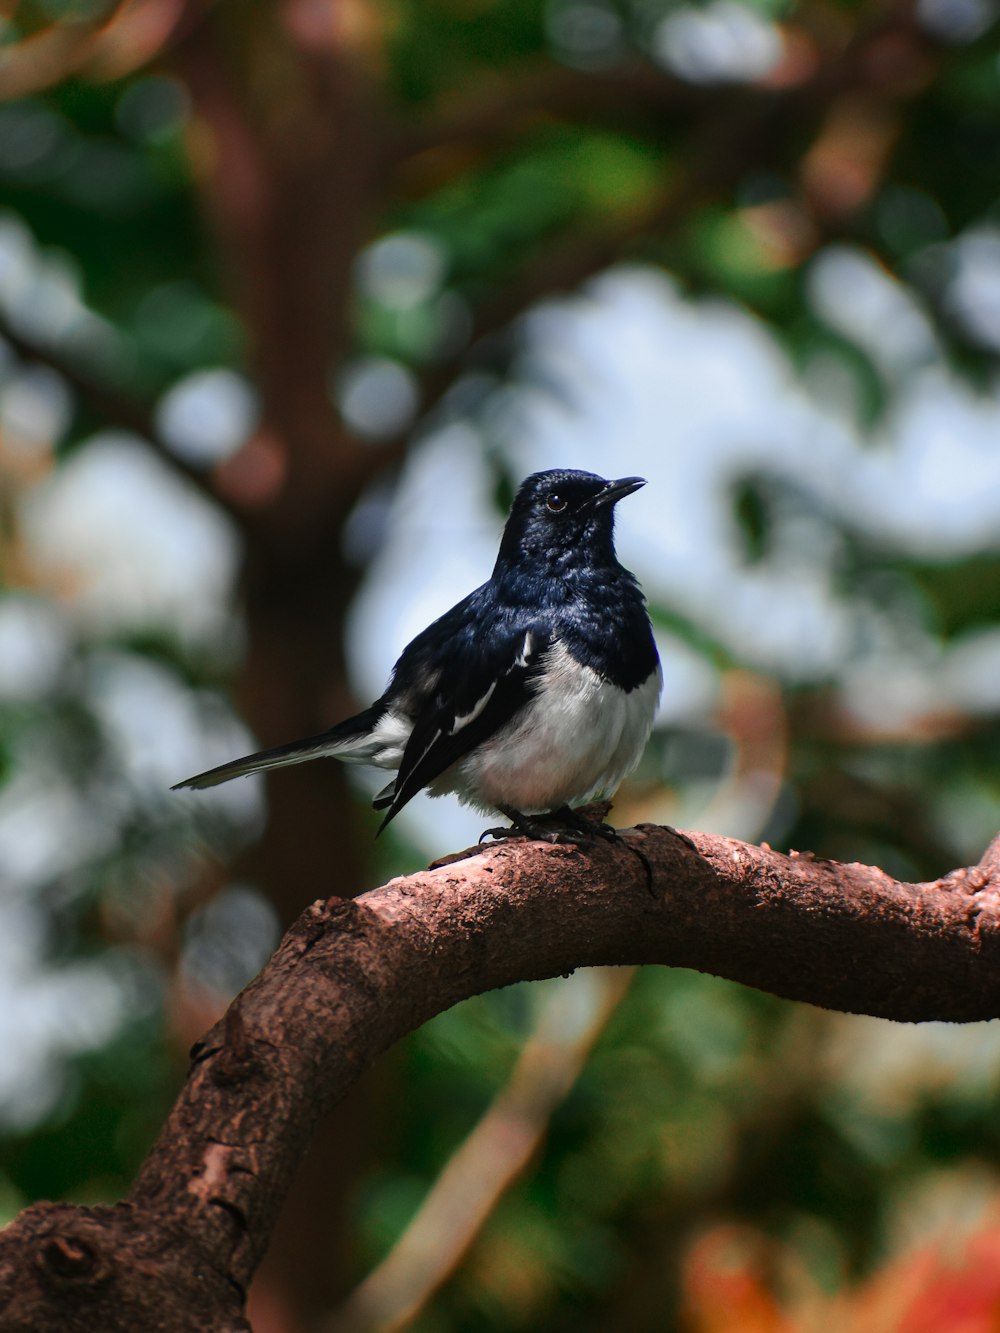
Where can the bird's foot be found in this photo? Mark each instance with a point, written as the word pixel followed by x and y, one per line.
pixel 598 828
pixel 567 826
pixel 498 833
pixel 578 822
pixel 539 828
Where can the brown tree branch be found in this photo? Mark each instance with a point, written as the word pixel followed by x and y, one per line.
pixel 352 977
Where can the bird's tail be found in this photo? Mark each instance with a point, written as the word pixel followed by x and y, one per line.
pixel 340 741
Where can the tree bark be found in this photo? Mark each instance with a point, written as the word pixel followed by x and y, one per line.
pixel 353 976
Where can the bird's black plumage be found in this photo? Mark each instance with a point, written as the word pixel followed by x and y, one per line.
pixel 535 691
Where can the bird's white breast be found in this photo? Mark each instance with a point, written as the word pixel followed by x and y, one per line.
pixel 576 740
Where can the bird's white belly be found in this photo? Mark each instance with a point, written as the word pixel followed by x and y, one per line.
pixel 575 741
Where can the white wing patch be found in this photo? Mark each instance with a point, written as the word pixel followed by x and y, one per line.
pixel 527 650
pixel 474 712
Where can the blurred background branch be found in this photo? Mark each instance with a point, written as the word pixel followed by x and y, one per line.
pixel 491 1158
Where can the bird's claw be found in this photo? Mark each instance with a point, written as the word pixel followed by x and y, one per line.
pixel 495 833
pixel 537 831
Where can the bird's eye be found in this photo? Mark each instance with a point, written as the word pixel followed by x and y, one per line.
pixel 555 503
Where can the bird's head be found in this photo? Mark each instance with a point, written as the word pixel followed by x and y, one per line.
pixel 562 518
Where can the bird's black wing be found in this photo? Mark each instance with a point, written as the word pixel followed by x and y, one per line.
pixel 482 685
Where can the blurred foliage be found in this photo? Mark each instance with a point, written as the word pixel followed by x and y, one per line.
pixel 724 1159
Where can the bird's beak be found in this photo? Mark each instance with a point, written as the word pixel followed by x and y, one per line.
pixel 617 490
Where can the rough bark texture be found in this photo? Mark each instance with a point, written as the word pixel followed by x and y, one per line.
pixel 352 976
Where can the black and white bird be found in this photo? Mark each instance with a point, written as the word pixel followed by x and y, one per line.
pixel 533 695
